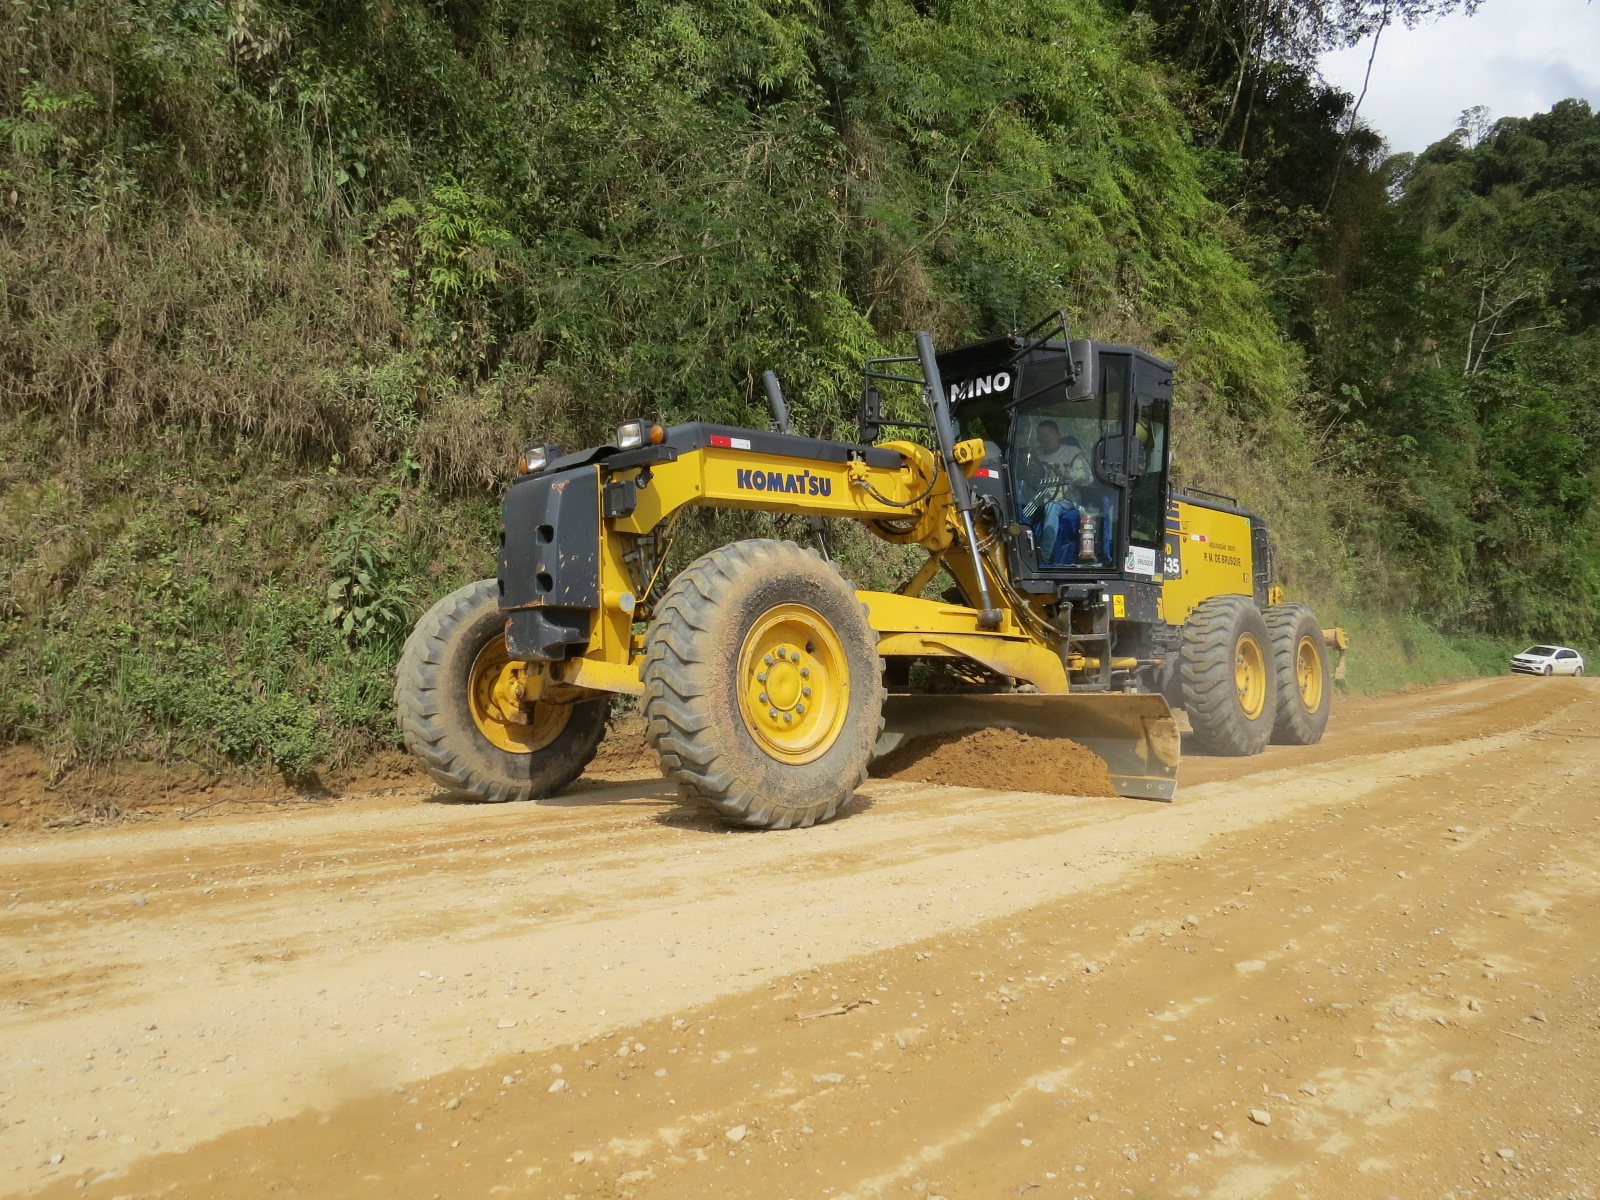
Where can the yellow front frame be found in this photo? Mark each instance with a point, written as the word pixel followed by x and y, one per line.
pixel 899 503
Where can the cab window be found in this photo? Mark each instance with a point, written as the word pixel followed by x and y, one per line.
pixel 1148 456
pixel 1054 445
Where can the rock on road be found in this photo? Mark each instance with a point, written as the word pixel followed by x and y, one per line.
pixel 1366 968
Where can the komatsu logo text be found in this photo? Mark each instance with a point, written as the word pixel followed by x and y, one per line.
pixel 804 484
pixel 998 383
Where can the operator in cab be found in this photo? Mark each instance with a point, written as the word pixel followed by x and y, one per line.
pixel 1061 464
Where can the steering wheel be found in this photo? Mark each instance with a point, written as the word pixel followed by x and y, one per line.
pixel 1044 486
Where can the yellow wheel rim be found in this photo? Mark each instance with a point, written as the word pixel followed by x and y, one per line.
pixel 1308 674
pixel 793 684
pixel 1250 675
pixel 497 709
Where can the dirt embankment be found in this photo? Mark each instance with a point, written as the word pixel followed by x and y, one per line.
pixel 37 793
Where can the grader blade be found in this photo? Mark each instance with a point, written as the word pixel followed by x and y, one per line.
pixel 1134 734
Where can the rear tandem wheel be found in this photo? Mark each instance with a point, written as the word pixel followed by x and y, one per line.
pixel 1305 686
pixel 1224 676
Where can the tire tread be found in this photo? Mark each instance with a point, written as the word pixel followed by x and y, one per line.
pixel 679 726
pixel 434 735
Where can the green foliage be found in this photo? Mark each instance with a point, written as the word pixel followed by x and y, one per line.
pixel 1464 347
pixel 289 286
pixel 369 601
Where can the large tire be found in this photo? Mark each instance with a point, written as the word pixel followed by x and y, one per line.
pixel 1304 682
pixel 450 726
pixel 750 619
pixel 1225 676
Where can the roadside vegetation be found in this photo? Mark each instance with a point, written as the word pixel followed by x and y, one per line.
pixel 287 285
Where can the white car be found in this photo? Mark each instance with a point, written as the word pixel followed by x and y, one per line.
pixel 1547 660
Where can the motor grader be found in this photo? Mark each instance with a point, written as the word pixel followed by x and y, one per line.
pixel 1085 598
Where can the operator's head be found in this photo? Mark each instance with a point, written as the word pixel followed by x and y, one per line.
pixel 1049 435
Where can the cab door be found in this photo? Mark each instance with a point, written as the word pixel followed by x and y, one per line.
pixel 1069 466
pixel 1148 463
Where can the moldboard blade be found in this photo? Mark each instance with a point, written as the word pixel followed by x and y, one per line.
pixel 1134 734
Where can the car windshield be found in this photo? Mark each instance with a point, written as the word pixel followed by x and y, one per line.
pixel 1540 651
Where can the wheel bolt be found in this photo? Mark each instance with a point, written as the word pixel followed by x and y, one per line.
pixel 800 708
pixel 787 717
pixel 773 713
pixel 764 698
pixel 805 691
pixel 805 672
pixel 769 660
pixel 761 676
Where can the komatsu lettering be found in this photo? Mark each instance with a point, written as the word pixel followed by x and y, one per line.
pixel 998 383
pixel 750 479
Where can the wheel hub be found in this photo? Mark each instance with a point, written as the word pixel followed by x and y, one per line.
pixel 496 695
pixel 793 686
pixel 1250 675
pixel 1308 674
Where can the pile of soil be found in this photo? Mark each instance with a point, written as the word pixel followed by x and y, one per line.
pixel 624 750
pixel 1003 760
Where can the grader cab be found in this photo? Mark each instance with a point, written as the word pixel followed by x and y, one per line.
pixel 1086 599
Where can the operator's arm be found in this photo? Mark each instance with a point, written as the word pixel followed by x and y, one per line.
pixel 1077 469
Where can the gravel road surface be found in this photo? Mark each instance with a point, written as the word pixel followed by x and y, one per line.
pixel 1362 969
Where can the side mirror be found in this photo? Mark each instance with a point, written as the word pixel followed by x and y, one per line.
pixel 1086 361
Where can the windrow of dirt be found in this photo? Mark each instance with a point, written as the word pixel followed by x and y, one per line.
pixel 1003 759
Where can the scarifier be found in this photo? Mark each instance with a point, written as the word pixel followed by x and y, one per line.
pixel 1088 600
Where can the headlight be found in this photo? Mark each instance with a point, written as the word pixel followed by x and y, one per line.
pixel 633 434
pixel 537 458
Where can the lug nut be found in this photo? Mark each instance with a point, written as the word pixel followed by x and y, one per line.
pixel 800 708
pixel 773 713
pixel 761 676
pixel 769 660
pixel 765 699
pixel 805 672
pixel 787 717
pixel 805 691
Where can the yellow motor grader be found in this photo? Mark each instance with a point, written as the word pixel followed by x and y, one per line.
pixel 1088 599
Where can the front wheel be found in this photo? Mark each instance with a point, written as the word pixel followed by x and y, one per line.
pixel 762 685
pixel 1549 670
pixel 459 721
pixel 1300 663
pixel 1225 676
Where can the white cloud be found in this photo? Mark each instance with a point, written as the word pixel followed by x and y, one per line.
pixel 1517 57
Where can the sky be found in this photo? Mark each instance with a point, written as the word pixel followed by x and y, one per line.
pixel 1517 57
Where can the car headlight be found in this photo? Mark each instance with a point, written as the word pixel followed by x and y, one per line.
pixel 537 458
pixel 633 434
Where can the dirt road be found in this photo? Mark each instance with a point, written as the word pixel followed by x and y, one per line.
pixel 1364 969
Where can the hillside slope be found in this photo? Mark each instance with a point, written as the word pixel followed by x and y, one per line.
pixel 288 284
